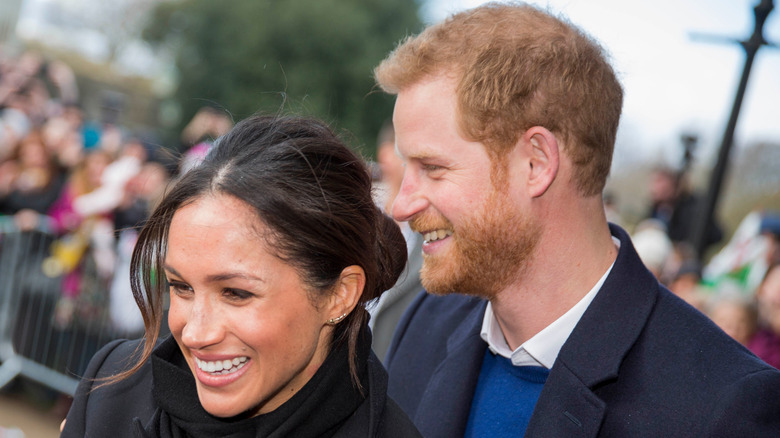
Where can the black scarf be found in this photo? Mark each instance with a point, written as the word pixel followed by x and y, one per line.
pixel 317 410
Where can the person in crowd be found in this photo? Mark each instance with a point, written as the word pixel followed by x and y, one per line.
pixel 766 342
pixel 110 192
pixel 269 250
pixel 540 319
pixel 677 207
pixel 389 308
pixel 141 194
pixel 770 232
pixel 31 182
pixel 735 315
pixel 197 137
pixel 62 135
pixel 653 246
pixel 686 283
pixel 82 233
pixel 15 123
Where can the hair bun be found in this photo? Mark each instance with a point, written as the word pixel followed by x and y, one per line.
pixel 391 253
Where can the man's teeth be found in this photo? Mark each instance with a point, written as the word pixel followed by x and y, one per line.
pixel 226 366
pixel 435 235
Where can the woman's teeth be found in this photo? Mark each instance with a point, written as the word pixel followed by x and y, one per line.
pixel 433 236
pixel 226 366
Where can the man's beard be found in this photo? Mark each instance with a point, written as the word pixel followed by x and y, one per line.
pixel 487 253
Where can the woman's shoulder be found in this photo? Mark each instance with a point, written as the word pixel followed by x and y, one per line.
pixel 100 408
pixel 378 416
pixel 395 423
pixel 112 358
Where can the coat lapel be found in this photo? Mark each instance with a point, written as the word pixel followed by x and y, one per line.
pixel 566 408
pixel 594 351
pixel 447 398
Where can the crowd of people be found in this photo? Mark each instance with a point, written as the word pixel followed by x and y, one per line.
pixel 737 287
pixel 85 184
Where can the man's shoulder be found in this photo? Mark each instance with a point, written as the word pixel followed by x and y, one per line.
pixel 702 373
pixel 434 315
pixel 692 337
pixel 443 307
pixel 694 364
pixel 438 336
pixel 430 325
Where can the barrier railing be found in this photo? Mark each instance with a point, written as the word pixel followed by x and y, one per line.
pixel 46 336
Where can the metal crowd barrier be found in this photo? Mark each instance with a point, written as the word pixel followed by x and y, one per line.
pixel 44 337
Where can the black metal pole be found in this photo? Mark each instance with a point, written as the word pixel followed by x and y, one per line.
pixel 751 47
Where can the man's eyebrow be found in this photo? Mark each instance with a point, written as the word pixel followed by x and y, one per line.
pixel 422 155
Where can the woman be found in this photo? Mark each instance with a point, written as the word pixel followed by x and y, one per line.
pixel 30 182
pixel 270 250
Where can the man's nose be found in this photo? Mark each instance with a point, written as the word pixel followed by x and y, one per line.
pixel 410 200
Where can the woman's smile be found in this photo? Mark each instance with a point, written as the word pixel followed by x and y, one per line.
pixel 222 372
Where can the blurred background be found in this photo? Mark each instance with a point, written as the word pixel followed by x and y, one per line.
pixel 103 102
pixel 153 64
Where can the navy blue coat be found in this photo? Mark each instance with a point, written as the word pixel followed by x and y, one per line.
pixel 640 363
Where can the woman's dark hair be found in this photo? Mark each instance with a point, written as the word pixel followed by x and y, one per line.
pixel 310 191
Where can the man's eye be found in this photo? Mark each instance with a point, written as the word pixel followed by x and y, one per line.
pixel 432 167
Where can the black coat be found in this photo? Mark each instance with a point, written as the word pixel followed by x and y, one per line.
pixel 126 408
pixel 640 363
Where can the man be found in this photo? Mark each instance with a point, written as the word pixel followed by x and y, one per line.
pixel 541 317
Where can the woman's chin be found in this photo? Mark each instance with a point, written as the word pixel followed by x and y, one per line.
pixel 221 409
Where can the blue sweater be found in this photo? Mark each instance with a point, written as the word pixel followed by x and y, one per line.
pixel 505 398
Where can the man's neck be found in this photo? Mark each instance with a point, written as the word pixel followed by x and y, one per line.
pixel 567 263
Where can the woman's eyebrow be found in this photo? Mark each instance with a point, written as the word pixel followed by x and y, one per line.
pixel 232 275
pixel 219 277
pixel 170 269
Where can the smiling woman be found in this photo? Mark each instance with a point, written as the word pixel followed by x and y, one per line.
pixel 270 250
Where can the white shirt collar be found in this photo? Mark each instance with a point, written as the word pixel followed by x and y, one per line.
pixel 543 348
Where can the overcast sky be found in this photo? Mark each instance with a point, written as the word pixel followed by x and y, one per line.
pixel 672 82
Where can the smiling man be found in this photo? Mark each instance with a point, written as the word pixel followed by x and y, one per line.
pixel 540 317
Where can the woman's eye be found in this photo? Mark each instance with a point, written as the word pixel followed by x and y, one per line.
pixel 179 288
pixel 237 294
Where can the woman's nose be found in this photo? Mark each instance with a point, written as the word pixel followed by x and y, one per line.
pixel 201 327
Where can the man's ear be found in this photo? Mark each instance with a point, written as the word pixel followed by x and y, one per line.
pixel 347 293
pixel 543 159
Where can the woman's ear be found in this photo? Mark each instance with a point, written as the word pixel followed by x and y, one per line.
pixel 347 293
